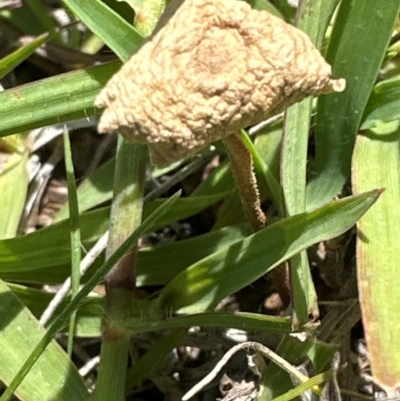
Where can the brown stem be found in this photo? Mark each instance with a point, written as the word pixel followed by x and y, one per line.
pixel 242 169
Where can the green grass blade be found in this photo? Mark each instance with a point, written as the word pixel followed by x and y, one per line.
pixel 46 248
pixel 376 162
pixel 54 377
pixel 220 179
pixel 89 317
pixel 266 180
pixel 325 16
pixel 357 26
pixel 83 293
pixel 121 37
pixel 308 385
pixel 383 105
pixel 185 207
pixel 49 246
pixel 293 177
pixel 268 144
pixel 231 212
pixel 160 264
pixel 94 190
pixel 294 156
pixel 68 96
pixel 8 63
pixel 156 265
pixel 75 234
pixel 15 176
pixel 276 382
pixel 204 284
pixel 36 300
pixel 147 14
pixel 42 14
pixel 240 320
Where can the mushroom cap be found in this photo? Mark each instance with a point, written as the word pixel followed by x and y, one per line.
pixel 215 67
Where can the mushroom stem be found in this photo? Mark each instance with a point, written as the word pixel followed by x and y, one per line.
pixel 243 173
pixel 242 169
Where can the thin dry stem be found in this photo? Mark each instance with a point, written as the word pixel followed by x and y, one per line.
pixel 66 287
pixel 247 346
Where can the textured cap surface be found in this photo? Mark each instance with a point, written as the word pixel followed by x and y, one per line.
pixel 215 67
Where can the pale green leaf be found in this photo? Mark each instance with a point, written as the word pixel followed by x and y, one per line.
pixel 376 163
pixel 13 190
pixel 54 377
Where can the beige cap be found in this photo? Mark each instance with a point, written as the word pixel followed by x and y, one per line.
pixel 215 67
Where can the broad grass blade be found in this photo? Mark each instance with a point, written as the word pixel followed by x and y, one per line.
pixel 376 163
pixel 357 47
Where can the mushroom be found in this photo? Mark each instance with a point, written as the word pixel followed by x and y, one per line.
pixel 212 68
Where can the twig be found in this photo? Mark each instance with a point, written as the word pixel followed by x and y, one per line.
pixel 38 183
pixel 41 136
pixel 65 288
pixel 265 123
pixel 89 366
pixel 249 345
